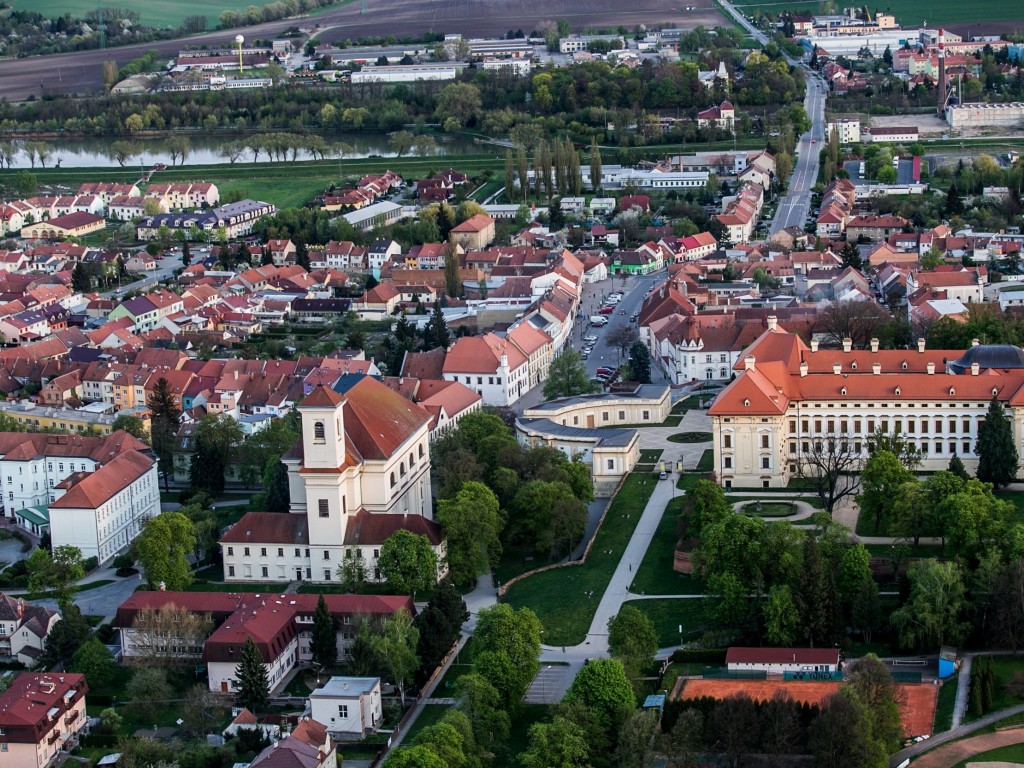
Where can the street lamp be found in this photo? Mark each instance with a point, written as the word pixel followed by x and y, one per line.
pixel 239 39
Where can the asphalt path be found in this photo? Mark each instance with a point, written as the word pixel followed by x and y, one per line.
pixel 81 72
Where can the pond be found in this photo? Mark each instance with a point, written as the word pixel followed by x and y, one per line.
pixel 94 152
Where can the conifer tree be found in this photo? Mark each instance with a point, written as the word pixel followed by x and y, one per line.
pixel 956 466
pixel 165 415
pixel 324 643
pixel 997 454
pixel 253 686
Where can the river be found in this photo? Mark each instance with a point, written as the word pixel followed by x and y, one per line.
pixel 206 150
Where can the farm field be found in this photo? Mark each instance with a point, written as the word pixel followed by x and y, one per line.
pixel 914 13
pixel 155 13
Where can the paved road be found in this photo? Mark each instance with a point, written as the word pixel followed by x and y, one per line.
pixel 794 207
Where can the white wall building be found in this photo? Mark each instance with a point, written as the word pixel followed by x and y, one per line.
pixel 350 707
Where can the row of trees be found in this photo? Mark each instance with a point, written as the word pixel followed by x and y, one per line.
pixel 858 726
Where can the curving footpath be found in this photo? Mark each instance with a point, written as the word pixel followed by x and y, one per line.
pixel 956 752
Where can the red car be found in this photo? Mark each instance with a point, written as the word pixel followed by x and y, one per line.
pixel 606 310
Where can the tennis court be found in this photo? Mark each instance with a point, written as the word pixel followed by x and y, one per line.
pixel 917 702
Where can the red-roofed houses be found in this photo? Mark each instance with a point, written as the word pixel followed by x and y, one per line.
pixel 40 715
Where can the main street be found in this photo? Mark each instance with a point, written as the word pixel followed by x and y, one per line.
pixel 796 205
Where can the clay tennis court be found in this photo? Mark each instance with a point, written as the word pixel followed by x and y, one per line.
pixel 917 702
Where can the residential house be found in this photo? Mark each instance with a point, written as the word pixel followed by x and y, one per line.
pixel 492 366
pixel 474 233
pixel 41 715
pixel 23 629
pixel 350 707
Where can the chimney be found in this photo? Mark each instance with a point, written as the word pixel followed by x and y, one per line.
pixel 940 106
pixel 748 363
pixel 975 342
pixel 874 345
pixel 803 369
pixel 236 374
pixel 931 369
pixel 837 368
pixel 847 344
pixel 975 369
pixel 814 345
pixel 876 368
pixel 773 322
pixel 920 345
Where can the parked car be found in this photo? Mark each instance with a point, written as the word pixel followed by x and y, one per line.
pixel 590 338
pixel 606 369
pixel 606 310
pixel 663 475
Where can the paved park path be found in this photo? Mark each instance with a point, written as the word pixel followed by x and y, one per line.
pixel 950 754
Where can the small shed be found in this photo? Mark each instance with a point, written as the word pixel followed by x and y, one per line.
pixel 655 701
pixel 109 761
pixel 947 661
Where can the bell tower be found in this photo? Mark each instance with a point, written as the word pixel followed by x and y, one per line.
pixel 323 429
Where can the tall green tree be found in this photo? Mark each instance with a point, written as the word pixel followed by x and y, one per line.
pixel 595 166
pixel 841 737
pixel 162 549
pixel 567 376
pixel 874 685
pixel 481 703
pixel 934 613
pixel 640 362
pixel 558 744
pixel 58 571
pixel 452 265
pixel 94 660
pixel 508 649
pixel 883 474
pixel 80 279
pixel 253 687
pixel 997 452
pixel 164 422
pixel 954 204
pixel 440 624
pixel 602 686
pixel 395 649
pixel 471 522
pixel 324 641
pixel 435 333
pixel 632 639
pixel 408 562
pixel 216 438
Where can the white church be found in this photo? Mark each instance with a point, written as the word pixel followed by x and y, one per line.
pixel 360 473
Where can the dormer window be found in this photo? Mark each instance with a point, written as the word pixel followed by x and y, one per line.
pixel 952 391
pixel 904 365
pixel 319 433
pixel 842 391
pixel 746 403
pixel 995 391
pixel 897 391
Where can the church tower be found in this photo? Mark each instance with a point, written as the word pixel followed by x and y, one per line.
pixel 323 429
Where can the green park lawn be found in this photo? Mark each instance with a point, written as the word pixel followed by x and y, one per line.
pixel 655 575
pixel 945 704
pixel 690 437
pixel 1013 753
pixel 565 599
pixel 705 464
pixel 669 614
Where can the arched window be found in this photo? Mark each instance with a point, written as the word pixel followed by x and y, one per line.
pixel 421 450
pixel 401 469
pixel 392 479
pixel 319 434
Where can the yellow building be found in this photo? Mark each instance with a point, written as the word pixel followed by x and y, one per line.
pixel 791 401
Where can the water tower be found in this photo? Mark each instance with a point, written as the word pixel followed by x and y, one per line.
pixel 239 39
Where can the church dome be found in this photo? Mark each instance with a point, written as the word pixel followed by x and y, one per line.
pixel 1002 356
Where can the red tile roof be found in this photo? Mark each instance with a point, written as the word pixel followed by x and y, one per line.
pixel 368 529
pixel 31 696
pixel 96 488
pixel 268 528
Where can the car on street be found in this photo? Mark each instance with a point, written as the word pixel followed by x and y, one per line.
pixel 590 337
pixel 663 475
pixel 605 370
pixel 606 310
pixel 585 355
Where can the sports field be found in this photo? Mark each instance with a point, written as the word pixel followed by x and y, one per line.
pixel 153 13
pixel 917 702
pixel 914 13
